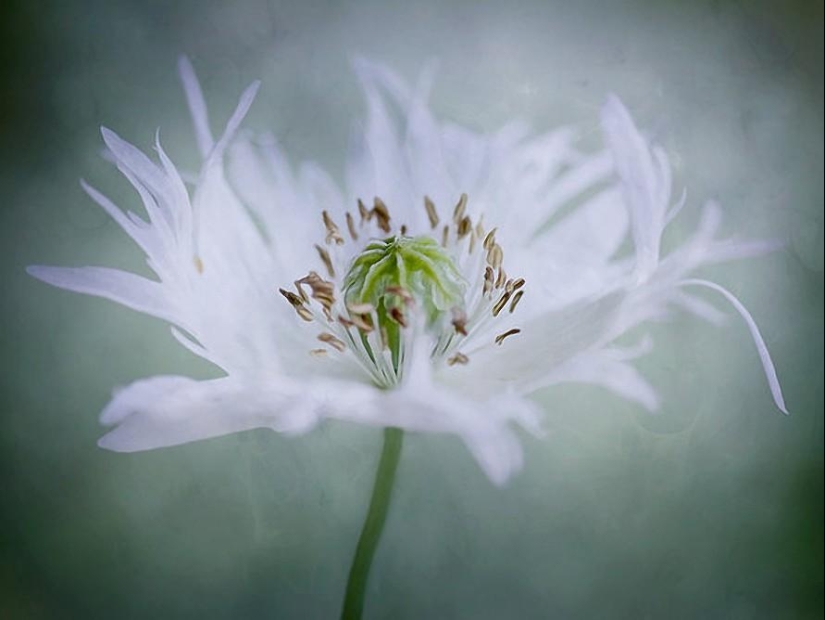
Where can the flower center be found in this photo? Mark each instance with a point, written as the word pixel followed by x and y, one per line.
pixel 401 290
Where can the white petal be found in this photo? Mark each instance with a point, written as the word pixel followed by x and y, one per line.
pixel 645 176
pixel 761 347
pixel 197 106
pixel 167 410
pixel 125 288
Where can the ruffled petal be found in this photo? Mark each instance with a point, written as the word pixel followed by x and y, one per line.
pixel 167 410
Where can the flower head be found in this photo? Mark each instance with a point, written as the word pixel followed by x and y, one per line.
pixel 434 291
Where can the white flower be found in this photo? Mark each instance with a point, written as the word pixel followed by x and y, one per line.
pixel 432 344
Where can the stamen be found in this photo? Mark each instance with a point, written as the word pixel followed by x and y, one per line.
pixel 335 343
pixel 363 212
pixel 398 316
pixel 432 215
pixel 501 277
pixel 322 291
pixel 459 321
pixel 502 301
pixel 198 264
pixel 360 308
pixel 516 299
pixel 351 227
pixel 319 352
pixel 445 235
pixel 458 213
pixel 495 255
pixel 382 214
pixel 510 332
pixel 464 227
pixel 488 280
pixel 326 260
pixel 458 358
pixel 333 233
pixel 518 284
pixel 490 239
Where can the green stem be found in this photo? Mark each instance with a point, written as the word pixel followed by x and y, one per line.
pixel 373 525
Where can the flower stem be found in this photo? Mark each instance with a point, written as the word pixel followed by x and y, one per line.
pixel 373 525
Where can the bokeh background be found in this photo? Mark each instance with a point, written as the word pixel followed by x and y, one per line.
pixel 711 509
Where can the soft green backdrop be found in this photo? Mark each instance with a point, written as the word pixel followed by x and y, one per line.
pixel 712 509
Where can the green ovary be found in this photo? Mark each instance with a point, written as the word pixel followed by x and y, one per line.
pixel 417 266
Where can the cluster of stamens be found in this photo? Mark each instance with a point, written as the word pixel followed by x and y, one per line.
pixel 396 276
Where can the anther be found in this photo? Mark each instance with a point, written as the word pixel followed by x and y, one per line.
pixel 490 239
pixel 198 264
pixel 363 212
pixel 432 215
pixel 335 343
pixel 502 301
pixel 458 358
pixel 351 227
pixel 398 316
pixel 459 321
pixel 495 255
pixel 488 280
pixel 318 352
pixel 464 227
pixel 326 260
pixel 333 235
pixel 360 308
pixel 382 214
pixel 501 278
pixel 458 213
pixel 516 299
pixel 510 332
pixel 518 284
pixel 445 235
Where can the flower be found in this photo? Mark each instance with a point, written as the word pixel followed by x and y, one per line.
pixel 397 307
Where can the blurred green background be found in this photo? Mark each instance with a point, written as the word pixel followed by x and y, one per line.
pixel 711 509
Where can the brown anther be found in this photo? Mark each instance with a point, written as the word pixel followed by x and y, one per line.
pixel 398 316
pixel 508 286
pixel 403 230
pixel 459 321
pixel 198 264
pixel 345 321
pixel 333 234
pixel 465 226
pixel 382 214
pixel 495 255
pixel 363 212
pixel 301 291
pixel 322 291
pixel 360 308
pixel 499 305
pixel 490 239
pixel 432 214
pixel 318 352
pixel 291 297
pixel 516 299
pixel 325 258
pixel 403 293
pixel 334 342
pixel 501 278
pixel 458 358
pixel 473 238
pixel 488 280
pixel 351 227
pixel 362 322
pixel 304 313
pixel 480 229
pixel 510 332
pixel 445 235
pixel 458 212
pixel 518 284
